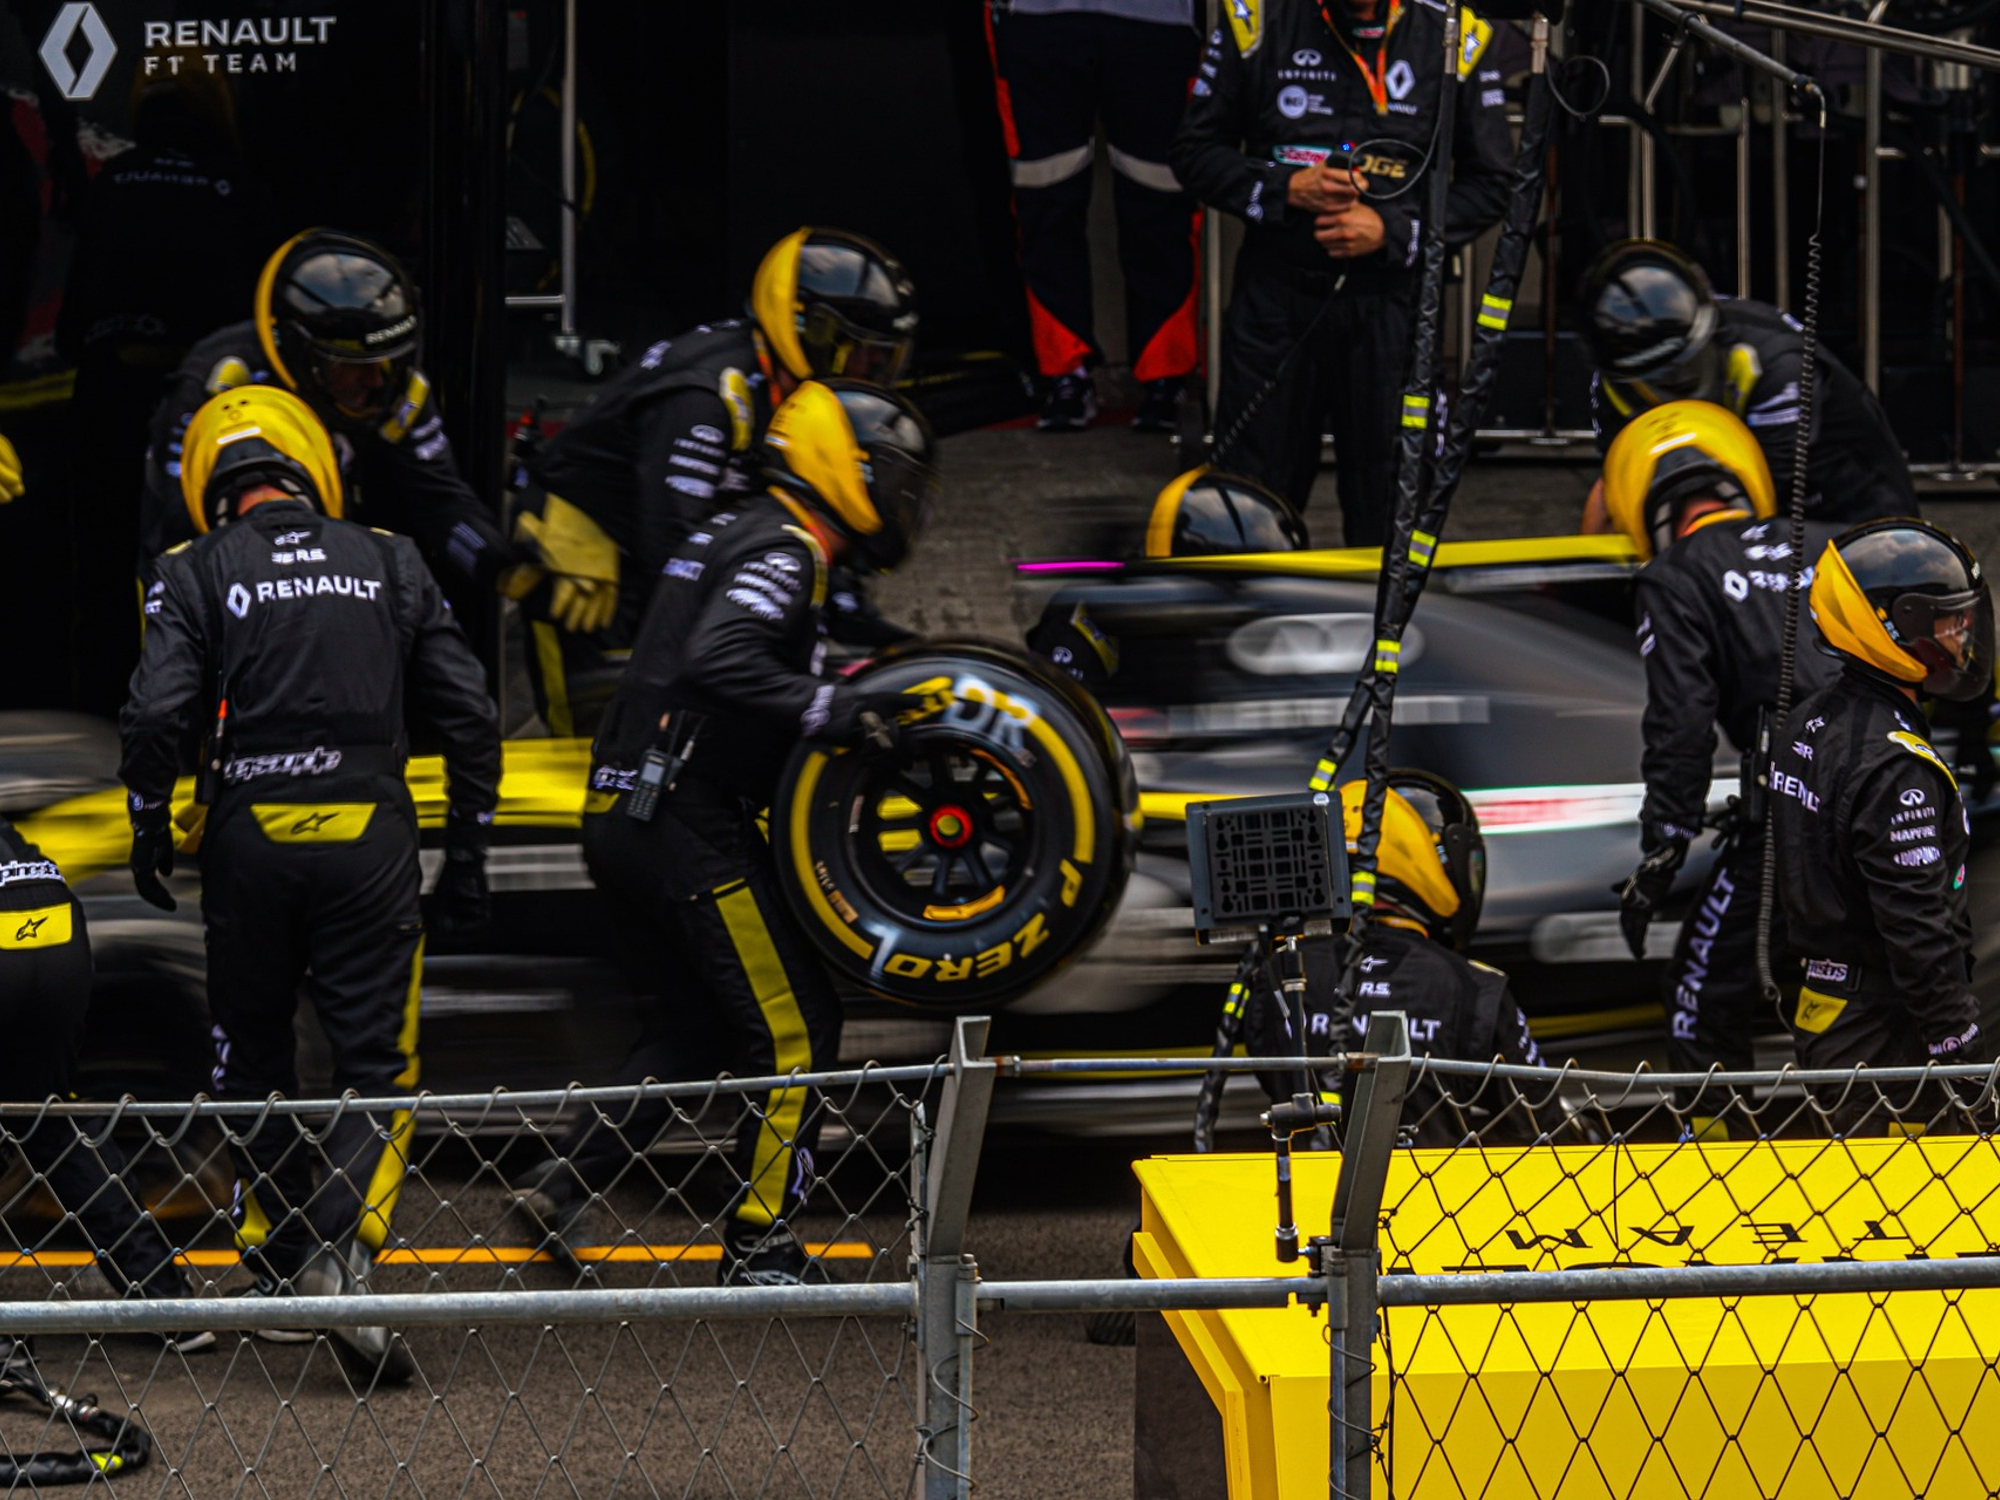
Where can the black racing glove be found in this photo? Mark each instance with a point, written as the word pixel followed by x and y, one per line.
pixel 152 858
pixel 870 726
pixel 462 900
pixel 1646 888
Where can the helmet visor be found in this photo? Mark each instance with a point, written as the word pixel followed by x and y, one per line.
pixel 837 346
pixel 362 390
pixel 905 492
pixel 1952 635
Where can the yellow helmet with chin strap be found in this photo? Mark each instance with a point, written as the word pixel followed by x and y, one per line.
pixel 863 458
pixel 1907 602
pixel 255 435
pixel 1430 859
pixel 1679 452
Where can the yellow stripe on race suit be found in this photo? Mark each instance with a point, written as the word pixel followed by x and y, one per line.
pixel 386 1183
pixel 44 927
pixel 791 1051
pixel 313 822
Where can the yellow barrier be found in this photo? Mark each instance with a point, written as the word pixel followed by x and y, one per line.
pixel 1848 1396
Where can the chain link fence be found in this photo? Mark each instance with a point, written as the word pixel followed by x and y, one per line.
pixel 527 1304
pixel 1534 1283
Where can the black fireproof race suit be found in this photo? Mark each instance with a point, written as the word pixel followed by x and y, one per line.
pixel 1457 1009
pixel 294 639
pixel 1855 469
pixel 1711 632
pixel 399 475
pixel 1313 343
pixel 45 980
pixel 725 680
pixel 1872 840
pixel 665 442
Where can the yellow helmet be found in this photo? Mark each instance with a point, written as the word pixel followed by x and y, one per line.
pixel 1669 455
pixel 833 303
pixel 863 457
pixel 251 435
pixel 1907 602
pixel 1430 859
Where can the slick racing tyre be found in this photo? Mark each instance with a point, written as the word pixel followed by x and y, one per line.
pixel 980 857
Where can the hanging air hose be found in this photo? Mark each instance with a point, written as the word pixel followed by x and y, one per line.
pixel 1412 467
pixel 1418 539
pixel 1208 1104
pixel 1788 659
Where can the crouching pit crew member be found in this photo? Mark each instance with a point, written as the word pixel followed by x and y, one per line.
pixel 1871 833
pixel 1687 483
pixel 1657 333
pixel 45 978
pixel 1430 881
pixel 724 680
pixel 634 474
pixel 288 638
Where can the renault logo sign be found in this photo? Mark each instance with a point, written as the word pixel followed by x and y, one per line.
pixel 72 81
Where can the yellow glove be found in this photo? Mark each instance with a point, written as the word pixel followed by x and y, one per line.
pixel 11 487
pixel 583 605
pixel 569 541
pixel 584 557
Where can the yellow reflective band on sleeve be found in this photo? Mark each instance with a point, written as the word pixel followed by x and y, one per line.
pixel 1473 35
pixel 1494 311
pixel 313 822
pixel 1364 887
pixel 1388 656
pixel 1817 1012
pixel 1322 776
pixel 415 394
pixel 1423 547
pixel 1246 20
pixel 44 927
pixel 1416 411
pixel 1238 995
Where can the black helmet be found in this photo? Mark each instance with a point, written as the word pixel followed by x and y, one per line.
pixel 1649 319
pixel 833 303
pixel 863 457
pixel 1202 512
pixel 1430 859
pixel 1906 602
pixel 338 320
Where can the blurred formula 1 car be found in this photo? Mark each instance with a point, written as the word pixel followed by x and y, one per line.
pixel 1520 682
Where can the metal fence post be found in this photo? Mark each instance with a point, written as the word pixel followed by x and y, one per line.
pixel 1353 1256
pixel 946 1277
